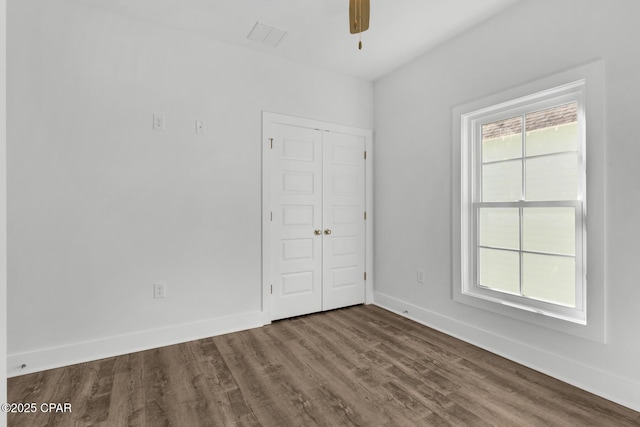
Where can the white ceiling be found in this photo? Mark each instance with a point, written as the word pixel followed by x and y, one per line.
pixel 318 30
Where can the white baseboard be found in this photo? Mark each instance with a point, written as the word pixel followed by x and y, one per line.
pixel 593 380
pixel 56 357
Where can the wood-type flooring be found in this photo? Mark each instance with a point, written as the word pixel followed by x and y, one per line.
pixel 359 366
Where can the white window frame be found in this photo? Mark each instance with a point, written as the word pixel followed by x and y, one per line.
pixel 584 85
pixel 471 193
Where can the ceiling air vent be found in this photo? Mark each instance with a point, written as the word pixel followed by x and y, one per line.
pixel 266 34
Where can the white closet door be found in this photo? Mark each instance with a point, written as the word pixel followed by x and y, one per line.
pixel 316 216
pixel 297 213
pixel 343 220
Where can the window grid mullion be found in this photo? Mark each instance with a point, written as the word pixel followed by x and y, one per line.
pixel 520 211
pixel 523 151
pixel 497 248
pixel 479 197
pixel 534 156
pixel 522 196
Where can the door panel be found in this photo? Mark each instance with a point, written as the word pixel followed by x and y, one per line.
pixel 343 214
pixel 297 212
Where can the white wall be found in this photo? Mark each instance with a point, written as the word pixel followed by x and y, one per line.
pixel 413 116
pixel 101 206
pixel 3 212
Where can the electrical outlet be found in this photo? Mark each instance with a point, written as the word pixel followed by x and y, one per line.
pixel 420 276
pixel 159 290
pixel 158 122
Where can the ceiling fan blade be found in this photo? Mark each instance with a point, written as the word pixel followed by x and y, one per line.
pixel 358 16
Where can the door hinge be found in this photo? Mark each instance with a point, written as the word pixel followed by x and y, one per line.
pixel 272 289
pixel 271 215
pixel 365 155
pixel 271 142
pixel 365 215
pixel 365 275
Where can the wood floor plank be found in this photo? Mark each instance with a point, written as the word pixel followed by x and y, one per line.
pixel 353 395
pixel 127 398
pixel 218 388
pixel 349 372
pixel 261 380
pixel 360 366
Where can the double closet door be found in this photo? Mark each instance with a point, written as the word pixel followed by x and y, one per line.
pixel 317 219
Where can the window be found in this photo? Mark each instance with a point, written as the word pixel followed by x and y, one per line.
pixel 523 203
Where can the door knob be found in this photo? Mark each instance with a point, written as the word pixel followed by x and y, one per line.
pixel 318 232
pixel 327 231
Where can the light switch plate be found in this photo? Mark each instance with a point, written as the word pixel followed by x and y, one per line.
pixel 199 126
